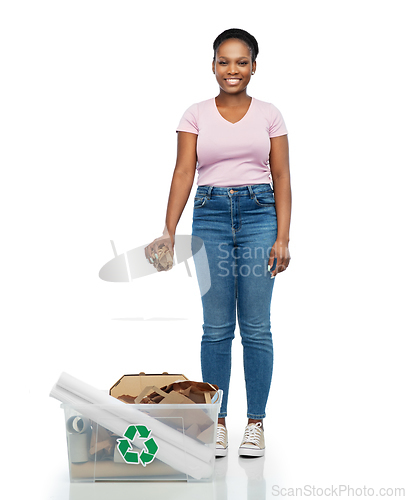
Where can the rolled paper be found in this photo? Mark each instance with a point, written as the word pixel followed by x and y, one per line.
pixel 77 424
pixel 174 456
pixel 78 446
pixel 78 439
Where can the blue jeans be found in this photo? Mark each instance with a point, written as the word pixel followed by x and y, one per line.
pixel 238 227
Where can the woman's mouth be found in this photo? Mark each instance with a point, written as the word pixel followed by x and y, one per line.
pixel 233 81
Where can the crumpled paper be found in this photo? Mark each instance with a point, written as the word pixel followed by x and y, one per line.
pixel 193 391
pixel 102 442
pixel 164 262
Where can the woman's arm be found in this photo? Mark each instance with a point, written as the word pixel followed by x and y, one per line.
pixel 182 180
pixel 279 164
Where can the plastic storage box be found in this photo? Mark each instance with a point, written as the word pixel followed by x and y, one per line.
pixel 146 442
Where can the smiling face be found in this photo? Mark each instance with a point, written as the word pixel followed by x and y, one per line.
pixel 233 66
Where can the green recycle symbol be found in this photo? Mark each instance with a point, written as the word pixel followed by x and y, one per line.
pixel 133 457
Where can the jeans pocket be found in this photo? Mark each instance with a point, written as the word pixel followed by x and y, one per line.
pixel 265 199
pixel 199 201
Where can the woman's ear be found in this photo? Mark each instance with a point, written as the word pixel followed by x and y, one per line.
pixel 212 67
pixel 254 67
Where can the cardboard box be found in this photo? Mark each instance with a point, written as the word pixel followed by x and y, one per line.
pixel 133 385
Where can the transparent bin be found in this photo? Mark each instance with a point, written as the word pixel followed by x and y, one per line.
pixel 154 442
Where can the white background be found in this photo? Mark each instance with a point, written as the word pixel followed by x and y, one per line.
pixel 91 94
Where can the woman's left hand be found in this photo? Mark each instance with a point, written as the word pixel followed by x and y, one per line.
pixel 280 252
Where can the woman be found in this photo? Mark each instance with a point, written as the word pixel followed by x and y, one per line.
pixel 243 221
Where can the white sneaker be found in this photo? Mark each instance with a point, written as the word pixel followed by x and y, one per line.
pixel 221 441
pixel 253 442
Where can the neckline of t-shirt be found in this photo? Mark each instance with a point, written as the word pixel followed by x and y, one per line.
pixel 239 121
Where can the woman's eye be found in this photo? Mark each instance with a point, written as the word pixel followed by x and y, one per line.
pixel 243 63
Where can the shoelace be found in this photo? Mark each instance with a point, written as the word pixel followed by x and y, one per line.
pixel 221 435
pixel 252 433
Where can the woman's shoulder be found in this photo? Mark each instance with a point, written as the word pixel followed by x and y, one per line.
pixel 266 105
pixel 194 116
pixel 198 110
pixel 273 117
pixel 269 110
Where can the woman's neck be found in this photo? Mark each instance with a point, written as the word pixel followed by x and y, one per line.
pixel 232 100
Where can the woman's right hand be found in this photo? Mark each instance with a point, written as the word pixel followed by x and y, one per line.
pixel 151 250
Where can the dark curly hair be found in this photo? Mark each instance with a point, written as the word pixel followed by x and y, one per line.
pixel 242 35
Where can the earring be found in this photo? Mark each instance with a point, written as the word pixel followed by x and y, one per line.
pixel 253 73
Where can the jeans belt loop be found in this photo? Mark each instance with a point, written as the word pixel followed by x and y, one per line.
pixel 251 192
pixel 209 192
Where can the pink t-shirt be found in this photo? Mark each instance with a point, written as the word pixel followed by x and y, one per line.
pixel 233 154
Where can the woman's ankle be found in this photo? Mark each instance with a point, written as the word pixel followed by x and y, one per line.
pixel 255 420
pixel 222 421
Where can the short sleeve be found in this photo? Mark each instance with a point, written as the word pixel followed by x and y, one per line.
pixel 277 125
pixel 189 120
